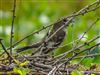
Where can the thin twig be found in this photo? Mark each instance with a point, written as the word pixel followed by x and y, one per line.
pixel 76 14
pixel 56 68
pixel 12 29
pixel 91 55
pixel 78 40
pixel 16 43
pixel 81 12
pixel 82 60
pixel 86 56
pixel 5 50
pixel 62 56
pixel 86 32
pixel 12 26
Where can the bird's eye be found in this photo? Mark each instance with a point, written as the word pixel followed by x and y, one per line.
pixel 65 20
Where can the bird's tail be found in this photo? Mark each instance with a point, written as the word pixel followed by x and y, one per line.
pixel 36 45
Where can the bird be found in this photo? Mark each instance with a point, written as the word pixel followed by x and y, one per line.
pixel 49 44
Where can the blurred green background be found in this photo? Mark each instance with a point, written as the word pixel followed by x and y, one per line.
pixel 32 15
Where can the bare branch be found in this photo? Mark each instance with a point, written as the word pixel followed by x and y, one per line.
pixel 12 26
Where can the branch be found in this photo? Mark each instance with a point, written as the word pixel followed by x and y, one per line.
pixel 12 26
pixel 5 50
pixel 62 56
pixel 57 67
pixel 81 12
pixel 16 43
pixel 87 31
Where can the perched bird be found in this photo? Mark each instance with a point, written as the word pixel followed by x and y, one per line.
pixel 50 43
pixel 57 39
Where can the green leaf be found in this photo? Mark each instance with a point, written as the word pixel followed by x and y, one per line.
pixel 24 63
pixel 87 61
pixel 92 74
pixel 21 70
pixel 96 59
pixel 76 72
pixel 17 70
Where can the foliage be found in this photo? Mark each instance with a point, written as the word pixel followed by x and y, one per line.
pixel 35 14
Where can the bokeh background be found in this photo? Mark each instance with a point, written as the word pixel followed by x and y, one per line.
pixel 32 15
